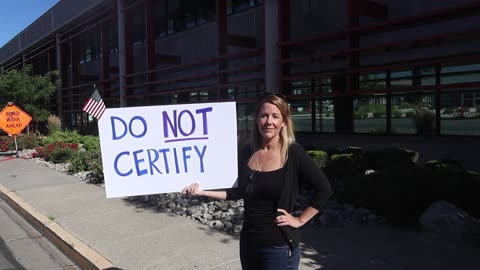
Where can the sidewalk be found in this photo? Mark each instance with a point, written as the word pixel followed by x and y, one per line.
pixel 110 233
pixel 100 233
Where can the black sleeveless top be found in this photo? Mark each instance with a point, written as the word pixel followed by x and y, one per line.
pixel 262 194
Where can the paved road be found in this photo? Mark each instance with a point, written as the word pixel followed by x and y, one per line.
pixel 22 247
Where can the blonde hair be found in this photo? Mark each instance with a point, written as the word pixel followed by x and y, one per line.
pixel 287 135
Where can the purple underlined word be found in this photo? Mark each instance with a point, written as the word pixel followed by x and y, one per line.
pixel 187 139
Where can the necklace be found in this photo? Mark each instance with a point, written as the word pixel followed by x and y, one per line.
pixel 268 163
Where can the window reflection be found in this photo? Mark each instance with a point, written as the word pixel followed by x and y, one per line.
pixel 413 114
pixel 460 112
pixel 370 114
pixel 301 114
pixel 325 115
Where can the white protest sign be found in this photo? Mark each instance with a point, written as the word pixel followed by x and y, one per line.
pixel 161 149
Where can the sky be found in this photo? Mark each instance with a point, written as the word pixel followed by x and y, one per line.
pixel 16 15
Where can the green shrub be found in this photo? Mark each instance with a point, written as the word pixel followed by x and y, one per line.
pixel 84 160
pixel 63 136
pixel 444 163
pixel 87 142
pixel 344 165
pixel 60 155
pixel 359 115
pixel 24 141
pixel 320 157
pixel 88 160
pixel 390 158
pixel 28 141
pixel 7 143
pixel 397 114
pixel 349 150
pixel 57 152
pixel 90 142
pixel 401 195
pixel 378 114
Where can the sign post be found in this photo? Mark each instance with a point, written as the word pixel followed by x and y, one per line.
pixel 13 121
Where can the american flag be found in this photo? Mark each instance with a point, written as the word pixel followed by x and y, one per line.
pixel 94 105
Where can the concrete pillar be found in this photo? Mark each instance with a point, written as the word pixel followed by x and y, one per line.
pixel 122 60
pixel 221 20
pixel 70 70
pixel 272 51
pixel 59 76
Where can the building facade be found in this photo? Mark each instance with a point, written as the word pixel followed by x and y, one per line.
pixel 359 71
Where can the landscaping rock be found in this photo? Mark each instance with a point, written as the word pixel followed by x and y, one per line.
pixel 228 215
pixel 447 219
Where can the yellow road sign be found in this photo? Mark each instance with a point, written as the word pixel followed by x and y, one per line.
pixel 13 120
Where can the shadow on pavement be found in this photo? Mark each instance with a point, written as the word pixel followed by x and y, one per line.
pixel 375 247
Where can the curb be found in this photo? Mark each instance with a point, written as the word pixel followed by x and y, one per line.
pixel 84 256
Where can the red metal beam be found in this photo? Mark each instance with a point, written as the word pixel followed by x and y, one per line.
pixel 201 76
pixel 464 59
pixel 411 89
pixel 37 54
pixel 212 60
pixel 200 88
pixel 387 46
pixel 455 12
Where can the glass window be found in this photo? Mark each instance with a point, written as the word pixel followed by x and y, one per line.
pixel 401 78
pixel 425 76
pixel 460 74
pixel 323 85
pixel 198 96
pixel 185 14
pixel 245 91
pixel 206 11
pixel 461 68
pixel 138 29
pixel 301 87
pixel 413 114
pixel 245 116
pixel 73 119
pixel 234 6
pixel 370 114
pixel 372 81
pixel 314 85
pixel 113 38
pixel 460 112
pixel 173 15
pixel 301 114
pixel 189 13
pixel 161 21
pixel 325 115
pixel 90 48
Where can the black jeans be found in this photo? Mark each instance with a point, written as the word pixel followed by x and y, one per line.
pixel 268 258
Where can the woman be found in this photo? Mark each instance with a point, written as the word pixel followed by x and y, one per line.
pixel 272 170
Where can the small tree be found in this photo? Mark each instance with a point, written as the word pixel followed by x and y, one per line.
pixel 27 91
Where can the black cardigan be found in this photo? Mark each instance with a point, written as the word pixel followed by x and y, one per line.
pixel 300 170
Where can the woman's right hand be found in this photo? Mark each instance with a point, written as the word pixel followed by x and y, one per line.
pixel 193 190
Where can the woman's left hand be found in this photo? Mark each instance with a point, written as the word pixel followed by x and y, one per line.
pixel 287 220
